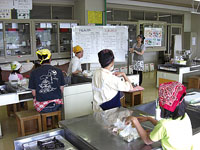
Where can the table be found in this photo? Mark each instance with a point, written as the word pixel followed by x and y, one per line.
pixel 87 129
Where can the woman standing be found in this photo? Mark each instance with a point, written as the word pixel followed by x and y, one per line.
pixel 138 59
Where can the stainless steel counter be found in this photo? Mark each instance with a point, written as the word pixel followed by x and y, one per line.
pixel 87 129
pixel 30 142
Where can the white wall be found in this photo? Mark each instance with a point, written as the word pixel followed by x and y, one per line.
pixel 195 27
pixel 79 11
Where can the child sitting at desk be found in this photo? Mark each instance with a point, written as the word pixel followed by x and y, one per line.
pixel 174 130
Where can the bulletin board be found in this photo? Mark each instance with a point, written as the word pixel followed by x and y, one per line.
pixel 153 37
pixel 95 38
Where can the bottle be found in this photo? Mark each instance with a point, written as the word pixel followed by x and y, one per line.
pixel 158 113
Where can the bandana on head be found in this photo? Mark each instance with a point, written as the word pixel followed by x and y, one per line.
pixel 170 95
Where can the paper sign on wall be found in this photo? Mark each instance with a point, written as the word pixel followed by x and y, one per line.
pixel 49 25
pixel 64 25
pixel 5 14
pixel 23 14
pixel 153 37
pixel 95 17
pixel 6 4
pixel 23 4
pixel 43 25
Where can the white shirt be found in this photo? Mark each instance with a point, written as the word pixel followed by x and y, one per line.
pixel 105 86
pixel 74 65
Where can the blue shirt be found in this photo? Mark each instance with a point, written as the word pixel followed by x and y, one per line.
pixel 46 80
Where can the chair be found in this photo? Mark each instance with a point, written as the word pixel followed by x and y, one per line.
pixel 53 115
pixel 28 122
pixel 13 108
pixel 136 97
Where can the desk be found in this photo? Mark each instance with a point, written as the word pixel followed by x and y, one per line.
pixel 13 98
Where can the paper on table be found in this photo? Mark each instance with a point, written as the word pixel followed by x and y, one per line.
pixel 192 97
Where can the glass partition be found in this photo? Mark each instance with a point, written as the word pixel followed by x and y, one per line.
pixel 2 52
pixel 46 36
pixel 17 37
pixel 65 37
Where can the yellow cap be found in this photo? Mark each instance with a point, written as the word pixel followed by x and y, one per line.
pixel 43 54
pixel 77 49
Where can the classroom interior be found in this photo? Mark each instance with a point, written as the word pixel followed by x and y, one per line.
pixel 49 23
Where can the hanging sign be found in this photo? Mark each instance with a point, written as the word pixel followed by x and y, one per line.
pixel 5 14
pixel 23 4
pixel 23 14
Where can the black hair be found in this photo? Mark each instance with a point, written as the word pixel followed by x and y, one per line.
pixel 46 61
pixel 178 112
pixel 141 36
pixel 15 71
pixel 106 57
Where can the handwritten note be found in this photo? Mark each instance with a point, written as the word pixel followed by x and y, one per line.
pixel 93 39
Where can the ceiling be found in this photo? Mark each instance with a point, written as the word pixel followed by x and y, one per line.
pixel 182 3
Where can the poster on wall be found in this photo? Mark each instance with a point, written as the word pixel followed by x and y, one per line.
pixel 5 14
pixel 8 4
pixel 153 37
pixel 23 14
pixel 23 4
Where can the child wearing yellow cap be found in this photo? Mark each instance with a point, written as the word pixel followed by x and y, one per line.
pixel 75 64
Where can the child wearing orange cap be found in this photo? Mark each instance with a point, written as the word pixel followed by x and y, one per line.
pixel 75 64
pixel 174 130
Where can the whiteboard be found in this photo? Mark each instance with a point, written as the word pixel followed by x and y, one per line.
pixel 95 38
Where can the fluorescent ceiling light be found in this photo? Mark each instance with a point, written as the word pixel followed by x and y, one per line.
pixel 197 0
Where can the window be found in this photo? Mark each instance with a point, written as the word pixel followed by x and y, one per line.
pixel 17 37
pixel 164 17
pixel 46 36
pixel 137 15
pixel 121 15
pixel 60 12
pixel 150 16
pixel 41 12
pixel 177 19
pixel 109 14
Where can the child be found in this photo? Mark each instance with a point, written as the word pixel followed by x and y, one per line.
pixel 174 130
pixel 15 74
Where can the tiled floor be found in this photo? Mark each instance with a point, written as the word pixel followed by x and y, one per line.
pixel 9 125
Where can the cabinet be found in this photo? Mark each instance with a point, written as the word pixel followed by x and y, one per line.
pixel 20 39
pixel 78 100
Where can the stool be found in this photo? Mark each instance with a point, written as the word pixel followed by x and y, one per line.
pixel 28 122
pixel 123 102
pixel 136 97
pixel 13 108
pixel 50 114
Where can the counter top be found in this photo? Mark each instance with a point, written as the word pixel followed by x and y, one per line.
pixel 101 138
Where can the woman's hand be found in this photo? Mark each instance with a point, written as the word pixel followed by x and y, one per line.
pixel 131 50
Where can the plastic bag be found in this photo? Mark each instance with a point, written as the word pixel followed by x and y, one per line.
pixel 127 132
